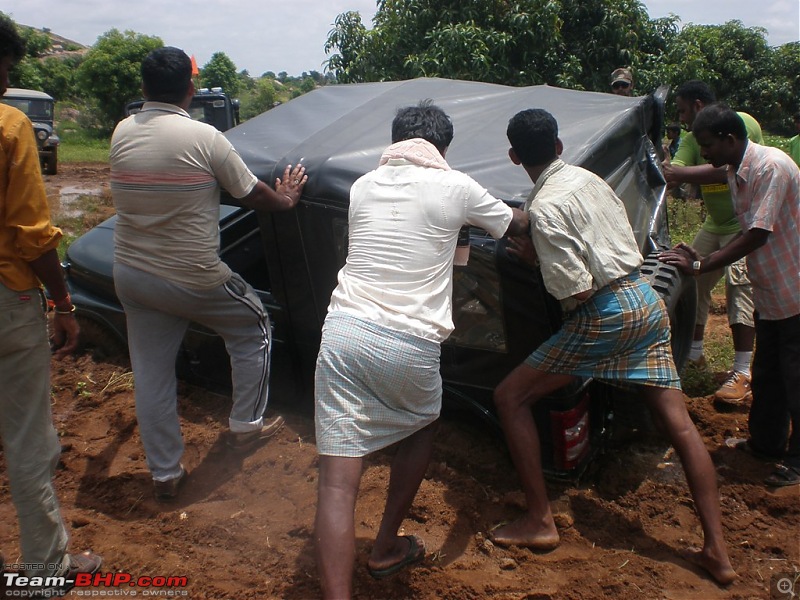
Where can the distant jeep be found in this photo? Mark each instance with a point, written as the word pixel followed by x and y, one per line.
pixel 39 108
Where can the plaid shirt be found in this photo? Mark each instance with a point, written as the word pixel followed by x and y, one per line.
pixel 766 195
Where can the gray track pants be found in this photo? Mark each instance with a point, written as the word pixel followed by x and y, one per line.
pixel 30 442
pixel 158 313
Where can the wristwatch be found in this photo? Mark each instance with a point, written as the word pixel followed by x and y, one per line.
pixel 696 268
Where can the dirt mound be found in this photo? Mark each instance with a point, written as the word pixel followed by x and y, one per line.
pixel 243 526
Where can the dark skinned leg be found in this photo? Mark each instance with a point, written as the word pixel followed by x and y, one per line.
pixel 408 468
pixel 334 529
pixel 514 398
pixel 701 477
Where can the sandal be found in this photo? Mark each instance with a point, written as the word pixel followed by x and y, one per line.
pixel 783 476
pixel 416 553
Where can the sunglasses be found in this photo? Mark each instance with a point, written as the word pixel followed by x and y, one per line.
pixel 620 84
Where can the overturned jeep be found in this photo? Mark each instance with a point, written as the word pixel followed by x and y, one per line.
pixel 39 107
pixel 500 307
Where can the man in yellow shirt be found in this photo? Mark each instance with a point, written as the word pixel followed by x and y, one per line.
pixel 28 256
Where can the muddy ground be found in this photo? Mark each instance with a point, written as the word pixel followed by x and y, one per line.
pixel 243 525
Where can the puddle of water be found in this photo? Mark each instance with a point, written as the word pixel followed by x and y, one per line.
pixel 68 197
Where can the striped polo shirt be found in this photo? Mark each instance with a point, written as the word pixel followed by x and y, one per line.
pixel 166 175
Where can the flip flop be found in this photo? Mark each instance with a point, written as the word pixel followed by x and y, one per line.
pixel 416 553
pixel 783 476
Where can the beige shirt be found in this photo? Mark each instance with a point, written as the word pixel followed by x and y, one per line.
pixel 580 231
pixel 166 173
pixel 403 225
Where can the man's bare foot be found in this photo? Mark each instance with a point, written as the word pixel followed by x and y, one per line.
pixel 523 533
pixel 719 568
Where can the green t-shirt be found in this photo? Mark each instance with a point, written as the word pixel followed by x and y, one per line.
pixel 794 149
pixel 721 219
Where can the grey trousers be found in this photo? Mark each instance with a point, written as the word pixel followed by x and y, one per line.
pixel 158 313
pixel 29 439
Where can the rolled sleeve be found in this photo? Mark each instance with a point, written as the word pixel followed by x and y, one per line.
pixel 230 170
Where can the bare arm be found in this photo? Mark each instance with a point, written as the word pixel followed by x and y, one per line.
pixel 286 194
pixel 520 223
pixel 682 255
pixel 700 174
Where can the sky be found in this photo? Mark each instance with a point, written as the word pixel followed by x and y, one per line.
pixel 266 35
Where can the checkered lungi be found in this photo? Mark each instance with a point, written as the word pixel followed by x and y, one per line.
pixel 620 334
pixel 373 387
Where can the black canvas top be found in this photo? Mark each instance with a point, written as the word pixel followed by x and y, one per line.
pixel 340 131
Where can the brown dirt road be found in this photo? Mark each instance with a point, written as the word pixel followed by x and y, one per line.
pixel 243 526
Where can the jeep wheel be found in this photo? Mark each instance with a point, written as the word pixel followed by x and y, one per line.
pixel 679 293
pixel 51 163
pixel 102 343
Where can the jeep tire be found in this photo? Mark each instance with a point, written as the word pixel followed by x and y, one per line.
pixel 679 293
pixel 51 162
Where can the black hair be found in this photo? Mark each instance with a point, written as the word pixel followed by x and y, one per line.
pixel 426 121
pixel 695 89
pixel 674 127
pixel 720 120
pixel 11 43
pixel 166 73
pixel 533 134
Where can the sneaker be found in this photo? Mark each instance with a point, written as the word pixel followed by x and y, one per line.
pixel 249 439
pixel 166 491
pixel 735 390
pixel 699 364
pixel 85 562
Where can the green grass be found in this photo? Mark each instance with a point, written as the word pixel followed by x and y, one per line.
pixel 777 140
pixel 78 146
pixel 685 218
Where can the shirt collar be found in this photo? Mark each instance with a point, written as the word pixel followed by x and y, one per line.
pixel 743 172
pixel 164 107
pixel 552 168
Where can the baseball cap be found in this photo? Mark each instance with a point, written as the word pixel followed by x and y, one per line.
pixel 621 74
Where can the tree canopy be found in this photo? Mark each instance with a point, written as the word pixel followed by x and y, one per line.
pixel 110 73
pixel 221 72
pixel 569 43
pixel 565 43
